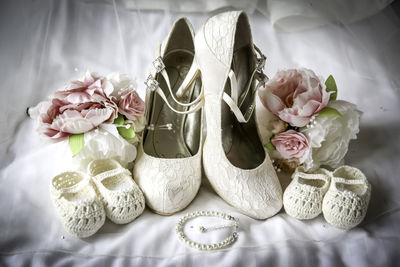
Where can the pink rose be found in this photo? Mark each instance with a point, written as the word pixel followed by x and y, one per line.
pixel 78 108
pixel 294 95
pixel 291 144
pixel 131 105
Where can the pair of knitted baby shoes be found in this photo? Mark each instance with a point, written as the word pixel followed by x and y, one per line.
pixel 84 200
pixel 342 196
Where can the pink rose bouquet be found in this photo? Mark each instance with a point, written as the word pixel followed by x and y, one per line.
pixel 107 102
pixel 78 108
pixel 307 119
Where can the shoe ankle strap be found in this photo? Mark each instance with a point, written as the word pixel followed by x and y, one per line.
pixel 349 181
pixel 154 86
pixel 107 174
pixel 312 176
pixel 234 101
pixel 72 189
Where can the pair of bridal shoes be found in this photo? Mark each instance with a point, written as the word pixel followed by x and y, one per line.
pixel 209 77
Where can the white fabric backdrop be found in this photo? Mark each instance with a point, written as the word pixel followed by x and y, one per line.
pixel 45 43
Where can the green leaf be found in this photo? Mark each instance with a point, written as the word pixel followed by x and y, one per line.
pixel 127 133
pixel 270 146
pixel 76 143
pixel 119 120
pixel 331 87
pixel 329 112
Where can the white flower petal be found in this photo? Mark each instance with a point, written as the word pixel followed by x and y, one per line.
pixel 330 137
pixel 105 142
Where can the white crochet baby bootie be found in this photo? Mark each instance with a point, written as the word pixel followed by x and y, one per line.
pixel 346 202
pixel 81 212
pixel 122 198
pixel 302 199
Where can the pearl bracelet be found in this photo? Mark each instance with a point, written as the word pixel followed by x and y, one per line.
pixel 224 243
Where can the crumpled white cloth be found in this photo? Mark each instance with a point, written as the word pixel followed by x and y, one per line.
pixel 299 15
pixel 43 44
pixel 285 15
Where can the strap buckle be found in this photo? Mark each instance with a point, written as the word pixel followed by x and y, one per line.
pixel 262 78
pixel 261 63
pixel 158 64
pixel 151 83
pixel 260 60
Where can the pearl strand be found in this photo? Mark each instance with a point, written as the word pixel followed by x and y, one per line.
pixel 222 244
pixel 312 123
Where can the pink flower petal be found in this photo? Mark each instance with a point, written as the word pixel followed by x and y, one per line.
pixel 291 144
pixel 107 87
pixel 71 121
pixel 78 108
pixel 293 118
pixel 310 108
pixel 294 95
pixel 272 102
pixel 98 116
pixel 131 105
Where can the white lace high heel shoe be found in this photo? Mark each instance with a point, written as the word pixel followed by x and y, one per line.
pixel 234 160
pixel 168 164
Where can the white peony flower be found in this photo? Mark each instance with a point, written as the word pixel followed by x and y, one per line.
pixel 105 142
pixel 330 136
pixel 121 82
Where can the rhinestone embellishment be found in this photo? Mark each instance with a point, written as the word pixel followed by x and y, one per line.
pixel 158 64
pixel 151 83
pixel 261 63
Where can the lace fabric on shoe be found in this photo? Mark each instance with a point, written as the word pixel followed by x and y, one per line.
pixel 168 165
pixel 234 160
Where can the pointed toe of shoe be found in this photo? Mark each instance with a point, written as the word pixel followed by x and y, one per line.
pixel 256 193
pixel 270 206
pixel 169 185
